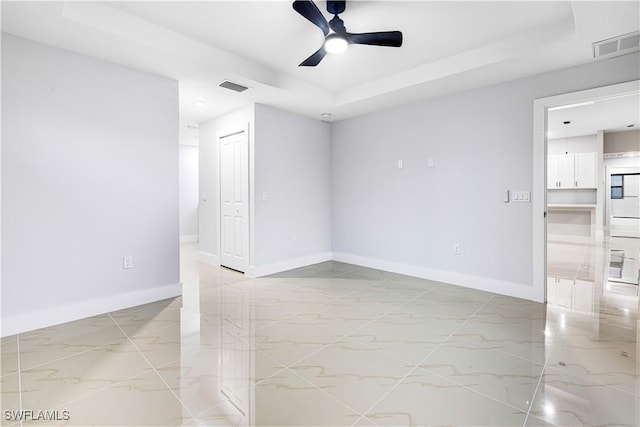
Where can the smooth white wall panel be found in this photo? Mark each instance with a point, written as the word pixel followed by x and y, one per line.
pixel 481 143
pixel 90 174
pixel 293 168
pixel 188 191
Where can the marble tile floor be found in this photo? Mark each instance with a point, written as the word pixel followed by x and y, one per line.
pixel 328 345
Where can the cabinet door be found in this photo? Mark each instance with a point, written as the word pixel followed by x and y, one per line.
pixel 566 171
pixel 586 166
pixel 553 178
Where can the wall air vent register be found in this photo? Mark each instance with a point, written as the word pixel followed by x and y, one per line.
pixel 617 46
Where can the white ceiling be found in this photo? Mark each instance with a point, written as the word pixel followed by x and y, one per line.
pixel 449 47
pixel 610 115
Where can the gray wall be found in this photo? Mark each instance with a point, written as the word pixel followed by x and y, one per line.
pixel 292 165
pixel 89 174
pixel 481 142
pixel 621 142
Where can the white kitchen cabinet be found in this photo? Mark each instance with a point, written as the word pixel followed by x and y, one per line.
pixel 572 171
pixel 561 171
pixel 553 175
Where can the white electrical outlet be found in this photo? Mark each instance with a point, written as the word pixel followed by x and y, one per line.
pixel 456 249
pixel 127 262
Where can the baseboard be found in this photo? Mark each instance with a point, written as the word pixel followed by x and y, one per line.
pixel 290 264
pixel 208 258
pixel 469 281
pixel 189 239
pixel 80 310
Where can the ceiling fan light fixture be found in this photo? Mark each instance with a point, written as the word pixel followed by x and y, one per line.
pixel 338 38
pixel 335 43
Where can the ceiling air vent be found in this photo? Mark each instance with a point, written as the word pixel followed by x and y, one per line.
pixel 617 46
pixel 233 86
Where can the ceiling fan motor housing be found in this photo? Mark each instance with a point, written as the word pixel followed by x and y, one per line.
pixel 336 7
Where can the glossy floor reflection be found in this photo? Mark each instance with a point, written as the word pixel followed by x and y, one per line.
pixel 330 345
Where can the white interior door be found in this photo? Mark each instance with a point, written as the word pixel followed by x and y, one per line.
pixel 234 196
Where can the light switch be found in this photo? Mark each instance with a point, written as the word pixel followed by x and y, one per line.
pixel 400 164
pixel 430 162
pixel 265 196
pixel 204 197
pixel 522 196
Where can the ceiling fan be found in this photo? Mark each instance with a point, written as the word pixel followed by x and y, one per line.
pixel 337 39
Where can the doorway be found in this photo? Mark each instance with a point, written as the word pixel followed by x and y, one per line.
pixel 540 179
pixel 623 207
pixel 234 200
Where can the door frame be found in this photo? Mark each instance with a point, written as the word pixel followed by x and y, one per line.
pixel 247 229
pixel 540 108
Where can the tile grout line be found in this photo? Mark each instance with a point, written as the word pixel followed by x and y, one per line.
pixel 535 392
pixel 317 387
pixel 480 344
pixel 417 366
pixel 462 385
pixel 38 365
pixel 588 379
pixel 340 337
pixel 93 392
pixel 154 369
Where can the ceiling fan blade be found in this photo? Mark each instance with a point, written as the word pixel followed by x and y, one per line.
pixel 309 10
pixel 381 38
pixel 314 59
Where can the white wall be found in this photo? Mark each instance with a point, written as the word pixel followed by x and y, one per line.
pixel 90 174
pixel 209 183
pixel 293 166
pixel 188 193
pixel 577 144
pixel 407 220
pixel 290 161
